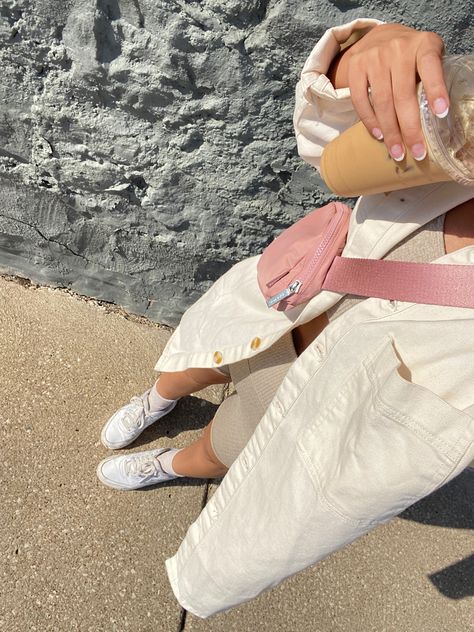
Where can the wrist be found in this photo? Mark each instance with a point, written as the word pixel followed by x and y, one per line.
pixel 337 72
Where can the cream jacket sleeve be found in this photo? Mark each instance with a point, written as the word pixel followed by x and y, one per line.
pixel 322 112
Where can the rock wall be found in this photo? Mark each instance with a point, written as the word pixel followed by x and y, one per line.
pixel 147 145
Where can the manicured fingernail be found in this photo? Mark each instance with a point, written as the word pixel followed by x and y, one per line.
pixel 377 133
pixel 441 108
pixel 419 151
pixel 397 152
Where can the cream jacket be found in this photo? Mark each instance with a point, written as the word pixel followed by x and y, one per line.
pixel 375 414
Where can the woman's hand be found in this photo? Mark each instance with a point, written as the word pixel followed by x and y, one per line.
pixel 389 61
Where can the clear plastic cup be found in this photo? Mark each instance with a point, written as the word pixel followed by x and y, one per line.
pixel 450 140
pixel 355 163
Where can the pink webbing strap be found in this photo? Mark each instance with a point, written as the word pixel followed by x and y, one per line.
pixel 430 283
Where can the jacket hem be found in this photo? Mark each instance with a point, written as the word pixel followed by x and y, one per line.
pixel 172 570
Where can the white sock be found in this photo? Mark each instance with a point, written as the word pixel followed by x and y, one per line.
pixel 166 461
pixel 156 402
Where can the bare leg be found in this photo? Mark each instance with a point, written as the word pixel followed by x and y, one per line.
pixel 199 460
pixel 181 383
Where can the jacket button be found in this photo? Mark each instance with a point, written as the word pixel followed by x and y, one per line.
pixel 217 357
pixel 255 344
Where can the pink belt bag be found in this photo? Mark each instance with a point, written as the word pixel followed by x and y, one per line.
pixel 305 259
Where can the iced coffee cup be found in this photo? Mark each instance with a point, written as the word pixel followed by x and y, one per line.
pixel 356 163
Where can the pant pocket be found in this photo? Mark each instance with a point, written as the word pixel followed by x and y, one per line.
pixel 383 442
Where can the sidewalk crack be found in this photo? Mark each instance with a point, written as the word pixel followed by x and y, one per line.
pixel 182 622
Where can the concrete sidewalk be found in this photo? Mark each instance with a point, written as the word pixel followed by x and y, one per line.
pixel 75 555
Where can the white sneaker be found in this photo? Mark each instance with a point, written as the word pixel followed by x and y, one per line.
pixel 130 421
pixel 132 471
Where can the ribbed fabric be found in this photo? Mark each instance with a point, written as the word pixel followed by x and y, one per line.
pixel 257 379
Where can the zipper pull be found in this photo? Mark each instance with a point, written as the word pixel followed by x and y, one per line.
pixel 293 288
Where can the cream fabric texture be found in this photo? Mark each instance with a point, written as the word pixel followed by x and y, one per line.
pixel 370 418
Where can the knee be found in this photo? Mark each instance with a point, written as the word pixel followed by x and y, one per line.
pixel 206 377
pixel 209 451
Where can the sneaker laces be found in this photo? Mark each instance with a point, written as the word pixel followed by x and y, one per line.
pixel 134 418
pixel 143 467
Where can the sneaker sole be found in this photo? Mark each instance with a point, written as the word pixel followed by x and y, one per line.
pixel 122 488
pixel 121 444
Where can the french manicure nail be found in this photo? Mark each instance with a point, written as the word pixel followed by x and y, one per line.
pixel 419 151
pixel 377 133
pixel 397 152
pixel 441 108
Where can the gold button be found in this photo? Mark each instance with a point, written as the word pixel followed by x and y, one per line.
pixel 217 357
pixel 256 342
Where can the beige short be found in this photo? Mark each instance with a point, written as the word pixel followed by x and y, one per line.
pixel 256 381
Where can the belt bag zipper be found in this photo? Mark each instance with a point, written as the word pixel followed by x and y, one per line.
pixel 295 286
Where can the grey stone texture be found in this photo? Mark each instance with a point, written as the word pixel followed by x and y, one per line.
pixel 147 145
